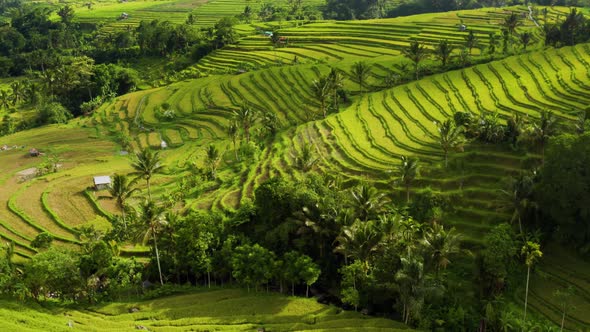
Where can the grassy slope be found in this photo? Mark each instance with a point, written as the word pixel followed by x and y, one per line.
pixel 219 310
pixel 361 142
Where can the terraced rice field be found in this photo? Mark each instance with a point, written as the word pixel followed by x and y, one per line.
pixel 219 310
pixel 558 270
pixel 362 142
pixel 206 12
pixel 378 40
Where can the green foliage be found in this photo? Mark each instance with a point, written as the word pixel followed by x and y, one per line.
pixel 53 271
pixel 53 112
pixel 252 265
pixel 562 193
pixel 498 259
pixel 146 164
pixel 42 241
pixel 417 52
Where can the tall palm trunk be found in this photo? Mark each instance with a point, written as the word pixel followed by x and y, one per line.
pixel 124 220
pixel 526 296
pixel 157 256
pixel 149 189
pixel 562 319
pixel 408 193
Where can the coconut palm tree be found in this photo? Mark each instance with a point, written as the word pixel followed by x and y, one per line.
pixel 439 245
pixel 416 52
pixel 541 130
pixel 525 39
pixel 517 197
pixel 305 160
pixel 336 81
pixel 360 241
pixel 212 159
pixel 232 132
pixel 146 164
pixel 443 51
pixel 4 100
pixel 151 218
pixel 321 91
pixel 367 201
pixel 450 137
pixel 470 41
pixel 493 44
pixel 408 170
pixel 360 70
pixel 531 252
pixel 410 279
pixel 121 190
pixel 510 23
pixel 246 117
pixel 17 92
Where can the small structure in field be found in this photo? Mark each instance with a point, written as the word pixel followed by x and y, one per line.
pixel 124 16
pixel 462 27
pixel 34 152
pixel 102 182
pixel 163 145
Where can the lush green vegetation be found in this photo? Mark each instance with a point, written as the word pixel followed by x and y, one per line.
pixel 411 167
pixel 223 310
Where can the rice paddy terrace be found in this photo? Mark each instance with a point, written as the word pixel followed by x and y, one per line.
pixel 362 142
pixel 206 12
pixel 377 40
pixel 217 310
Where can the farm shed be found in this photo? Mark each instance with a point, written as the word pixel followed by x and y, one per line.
pixel 102 182
pixel 34 152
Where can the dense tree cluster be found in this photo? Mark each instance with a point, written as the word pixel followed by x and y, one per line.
pixel 81 67
pixel 573 30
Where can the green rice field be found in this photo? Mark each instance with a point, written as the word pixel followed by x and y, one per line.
pixel 219 310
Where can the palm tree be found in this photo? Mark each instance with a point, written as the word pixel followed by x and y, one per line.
pixel 410 279
pixel 408 170
pixel 212 159
pixel 232 131
pixel 470 41
pixel 525 39
pixel 151 217
pixel 581 122
pixel 121 190
pixel 517 197
pixel 563 297
pixel 246 117
pixel 542 129
pixel 305 160
pixel 494 41
pixel 439 245
pixel 450 137
pixel 367 201
pixel 321 91
pixel 146 164
pixel 336 81
pixel 415 53
pixel 511 22
pixel 4 100
pixel 443 51
pixel 359 241
pixel 531 252
pixel 360 70
pixel 17 92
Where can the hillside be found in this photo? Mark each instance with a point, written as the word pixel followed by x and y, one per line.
pixel 361 142
pixel 219 310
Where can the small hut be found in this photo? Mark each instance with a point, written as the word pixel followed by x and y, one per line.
pixel 102 182
pixel 163 145
pixel 34 152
